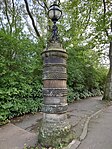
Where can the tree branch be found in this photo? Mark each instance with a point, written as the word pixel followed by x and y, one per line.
pixel 13 23
pixel 40 4
pixel 87 21
pixel 45 5
pixel 59 2
pixel 111 25
pixel 2 24
pixel 32 19
pixel 6 12
pixel 104 5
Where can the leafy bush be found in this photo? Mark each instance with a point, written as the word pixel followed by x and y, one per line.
pixel 18 101
pixel 21 87
pixel 86 77
pixel 71 95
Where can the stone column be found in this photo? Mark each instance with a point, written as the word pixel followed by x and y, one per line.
pixel 55 128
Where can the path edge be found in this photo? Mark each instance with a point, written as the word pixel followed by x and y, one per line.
pixel 76 142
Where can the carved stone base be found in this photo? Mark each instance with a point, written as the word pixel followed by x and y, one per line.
pixel 55 130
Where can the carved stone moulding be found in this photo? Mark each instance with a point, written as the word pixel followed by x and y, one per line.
pixel 56 118
pixel 54 109
pixel 54 59
pixel 54 68
pixel 58 53
pixel 54 75
pixel 54 92
pixel 54 64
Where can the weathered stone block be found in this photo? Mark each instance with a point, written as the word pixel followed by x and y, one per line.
pixel 54 59
pixel 55 92
pixel 54 108
pixel 55 100
pixel 54 84
pixel 52 134
pixel 54 68
pixel 57 118
pixel 56 75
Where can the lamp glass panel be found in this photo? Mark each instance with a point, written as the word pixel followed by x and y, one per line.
pixel 57 14
pixel 51 14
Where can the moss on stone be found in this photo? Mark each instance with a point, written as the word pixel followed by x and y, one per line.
pixel 54 139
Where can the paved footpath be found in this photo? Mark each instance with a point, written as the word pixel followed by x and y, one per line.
pixel 24 129
pixel 99 132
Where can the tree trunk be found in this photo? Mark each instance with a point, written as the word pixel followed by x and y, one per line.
pixel 108 85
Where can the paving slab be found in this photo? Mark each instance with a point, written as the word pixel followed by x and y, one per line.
pixel 28 122
pixel 99 132
pixel 23 130
pixel 76 112
pixel 13 137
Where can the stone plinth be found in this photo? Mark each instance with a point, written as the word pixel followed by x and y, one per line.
pixel 55 127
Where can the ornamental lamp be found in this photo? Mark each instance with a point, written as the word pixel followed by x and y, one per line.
pixel 54 12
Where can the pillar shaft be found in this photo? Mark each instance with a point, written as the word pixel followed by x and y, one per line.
pixel 55 127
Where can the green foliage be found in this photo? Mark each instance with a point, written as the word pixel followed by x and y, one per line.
pixel 20 71
pixel 86 77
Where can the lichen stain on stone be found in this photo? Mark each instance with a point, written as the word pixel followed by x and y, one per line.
pixel 56 136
